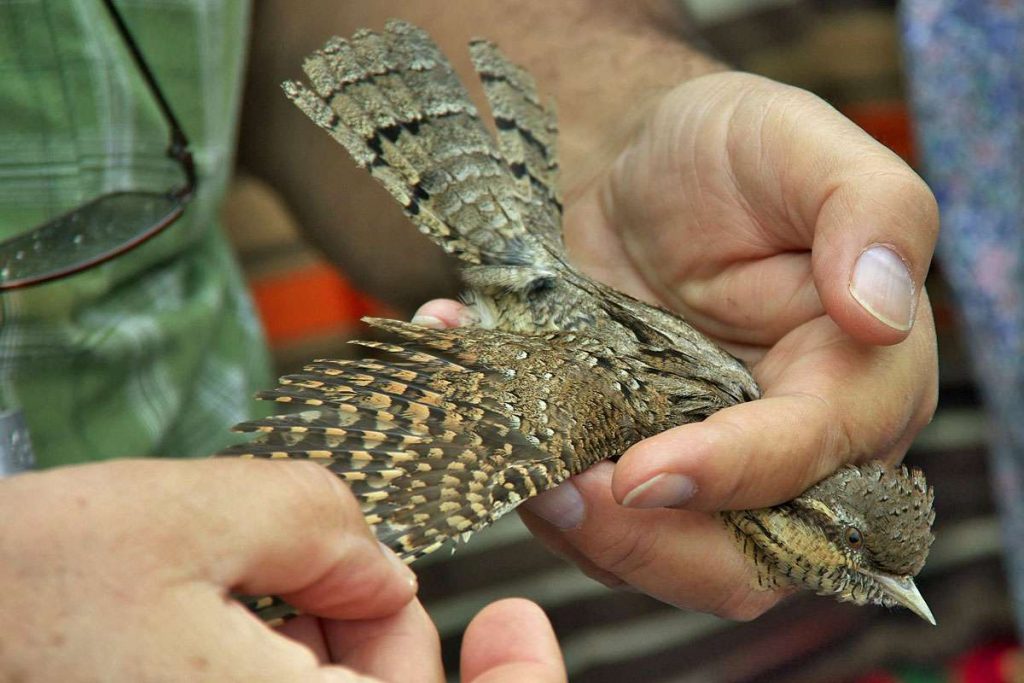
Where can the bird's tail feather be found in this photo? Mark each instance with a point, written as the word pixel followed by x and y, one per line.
pixel 527 135
pixel 394 102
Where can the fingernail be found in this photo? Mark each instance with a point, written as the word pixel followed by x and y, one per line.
pixel 401 568
pixel 562 506
pixel 428 321
pixel 882 285
pixel 661 490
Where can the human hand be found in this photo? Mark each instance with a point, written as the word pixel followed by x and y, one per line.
pixel 122 571
pixel 788 235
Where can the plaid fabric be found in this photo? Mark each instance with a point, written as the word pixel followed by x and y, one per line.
pixel 158 352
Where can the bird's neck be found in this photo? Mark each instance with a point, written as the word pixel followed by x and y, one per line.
pixel 785 548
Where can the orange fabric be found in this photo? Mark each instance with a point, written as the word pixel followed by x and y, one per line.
pixel 309 301
pixel 887 122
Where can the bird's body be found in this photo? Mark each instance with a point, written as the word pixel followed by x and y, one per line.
pixel 450 429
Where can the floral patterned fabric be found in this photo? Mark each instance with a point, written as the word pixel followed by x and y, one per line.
pixel 966 79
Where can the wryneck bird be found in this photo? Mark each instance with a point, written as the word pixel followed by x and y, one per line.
pixel 450 429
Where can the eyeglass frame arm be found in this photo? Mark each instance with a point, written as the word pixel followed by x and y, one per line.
pixel 178 147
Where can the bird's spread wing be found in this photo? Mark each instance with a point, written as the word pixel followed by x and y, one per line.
pixel 451 430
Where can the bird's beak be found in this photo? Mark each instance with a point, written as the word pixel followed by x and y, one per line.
pixel 902 590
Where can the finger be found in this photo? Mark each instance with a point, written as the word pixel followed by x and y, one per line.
pixel 511 641
pixel 687 559
pixel 874 241
pixel 871 222
pixel 839 403
pixel 400 647
pixel 305 629
pixel 441 313
pixel 559 510
pixel 729 462
pixel 316 551
pixel 257 527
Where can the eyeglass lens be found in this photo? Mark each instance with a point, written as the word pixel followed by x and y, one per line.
pixel 108 225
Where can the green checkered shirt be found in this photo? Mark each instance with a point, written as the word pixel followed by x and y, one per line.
pixel 159 351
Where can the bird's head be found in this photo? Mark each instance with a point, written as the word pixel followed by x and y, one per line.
pixel 860 535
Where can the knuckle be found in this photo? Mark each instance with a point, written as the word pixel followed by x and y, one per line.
pixel 835 442
pixel 625 554
pixel 315 497
pixel 923 203
pixel 908 194
pixel 559 547
pixel 837 439
pixel 605 578
pixel 733 489
pixel 838 444
pixel 745 604
pixel 735 482
pixel 776 97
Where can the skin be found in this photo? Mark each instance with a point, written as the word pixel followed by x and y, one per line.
pixel 132 581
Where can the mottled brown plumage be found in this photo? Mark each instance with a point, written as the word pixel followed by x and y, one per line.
pixel 450 429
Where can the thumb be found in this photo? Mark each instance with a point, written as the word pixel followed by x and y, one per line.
pixel 870 221
pixel 873 241
pixel 511 641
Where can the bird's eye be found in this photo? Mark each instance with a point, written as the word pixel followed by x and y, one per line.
pixel 853 537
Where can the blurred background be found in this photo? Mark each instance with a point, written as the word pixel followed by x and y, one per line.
pixel 850 54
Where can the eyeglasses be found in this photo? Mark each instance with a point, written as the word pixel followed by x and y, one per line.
pixel 106 226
